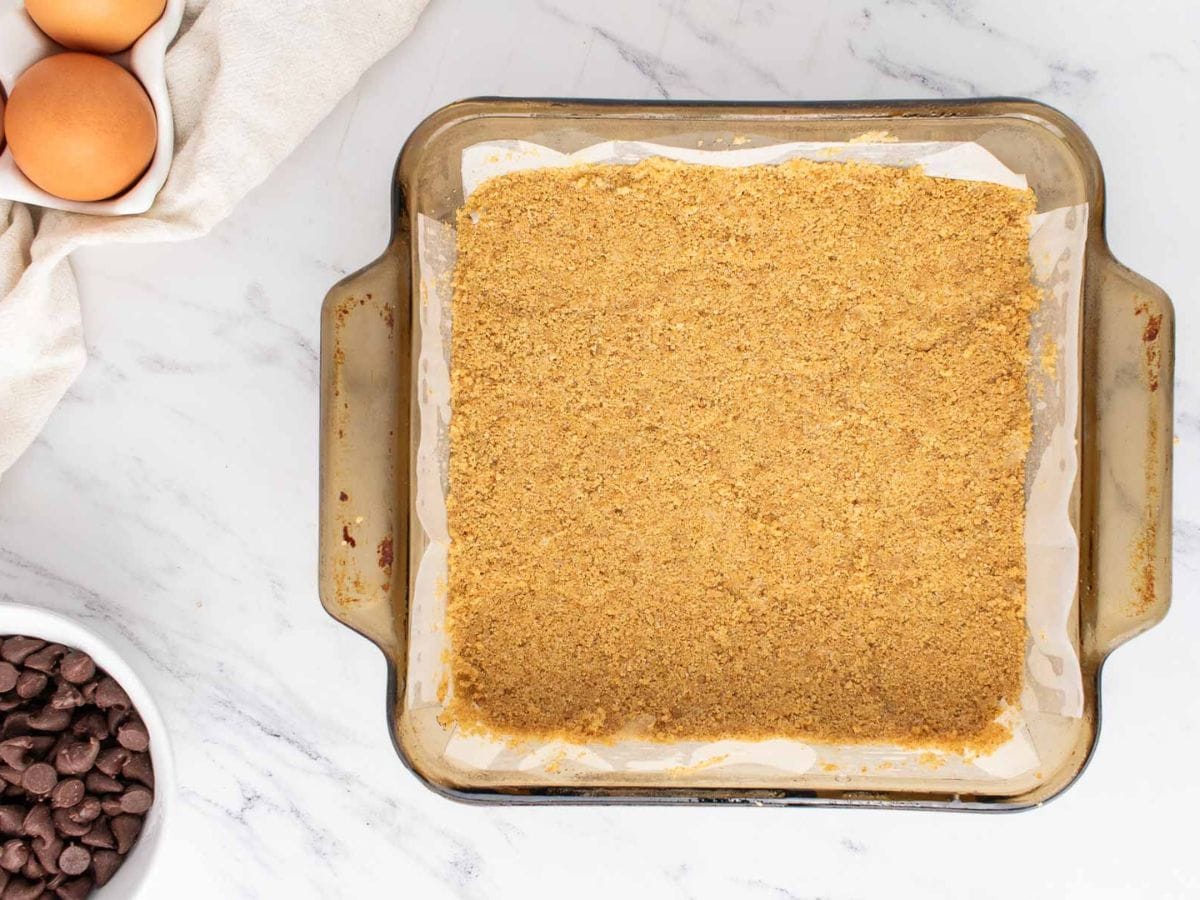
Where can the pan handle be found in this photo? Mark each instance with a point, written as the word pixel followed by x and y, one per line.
pixel 365 358
pixel 1132 331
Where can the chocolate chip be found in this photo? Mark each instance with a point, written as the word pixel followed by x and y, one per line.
pixel 85 811
pixel 59 741
pixel 77 667
pixel 66 793
pixel 33 869
pixel 126 829
pixel 89 691
pixel 74 860
pixel 111 805
pixel 8 677
pixel 101 835
pixel 40 779
pixel 114 717
pixel 16 648
pixel 20 889
pixel 112 760
pixel 110 695
pixel 66 696
pixel 13 855
pixel 76 889
pixel 12 819
pixel 91 724
pixel 46 659
pixel 15 724
pixel 105 864
pixel 56 880
pixel 10 703
pixel 138 768
pixel 15 752
pixel 66 826
pixel 41 743
pixel 12 777
pixel 46 850
pixel 38 822
pixel 30 684
pixel 133 736
pixel 136 800
pixel 50 719
pixel 99 783
pixel 77 758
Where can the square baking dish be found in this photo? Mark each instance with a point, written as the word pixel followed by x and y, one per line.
pixel 371 540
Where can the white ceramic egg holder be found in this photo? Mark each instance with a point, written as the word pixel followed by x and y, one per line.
pixel 22 44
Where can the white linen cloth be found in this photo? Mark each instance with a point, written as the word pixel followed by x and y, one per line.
pixel 248 80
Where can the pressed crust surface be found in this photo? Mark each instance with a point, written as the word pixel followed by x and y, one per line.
pixel 739 453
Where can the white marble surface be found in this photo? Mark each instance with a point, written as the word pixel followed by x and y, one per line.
pixel 171 503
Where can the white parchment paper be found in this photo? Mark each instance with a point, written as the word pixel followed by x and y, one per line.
pixel 1053 689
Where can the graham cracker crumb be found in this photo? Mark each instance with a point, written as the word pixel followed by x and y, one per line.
pixel 875 137
pixel 555 764
pixel 1049 358
pixel 931 760
pixel 739 453
pixel 684 771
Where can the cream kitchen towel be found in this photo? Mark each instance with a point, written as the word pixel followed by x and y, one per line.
pixel 248 80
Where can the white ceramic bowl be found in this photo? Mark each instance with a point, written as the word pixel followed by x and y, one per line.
pixel 17 618
pixel 22 44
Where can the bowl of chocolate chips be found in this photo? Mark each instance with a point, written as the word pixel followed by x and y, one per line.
pixel 84 763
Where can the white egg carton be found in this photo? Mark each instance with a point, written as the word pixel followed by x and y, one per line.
pixel 22 44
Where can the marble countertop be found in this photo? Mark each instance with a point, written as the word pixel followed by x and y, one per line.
pixel 171 502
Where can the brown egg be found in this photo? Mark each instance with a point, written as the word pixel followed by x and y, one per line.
pixel 1 120
pixel 80 127
pixel 100 26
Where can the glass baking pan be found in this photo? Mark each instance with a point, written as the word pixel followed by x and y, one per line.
pixel 371 540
